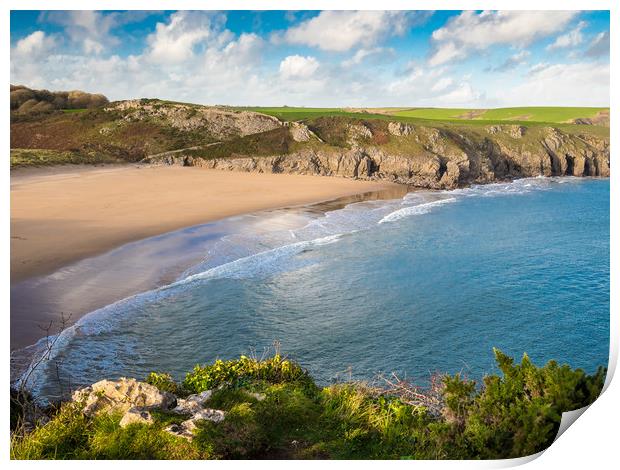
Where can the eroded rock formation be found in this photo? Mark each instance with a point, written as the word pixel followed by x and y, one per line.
pixel 433 157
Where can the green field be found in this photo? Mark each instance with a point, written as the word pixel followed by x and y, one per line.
pixel 529 114
pixel 541 114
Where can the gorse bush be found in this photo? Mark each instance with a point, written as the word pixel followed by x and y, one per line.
pixel 274 410
pixel 236 372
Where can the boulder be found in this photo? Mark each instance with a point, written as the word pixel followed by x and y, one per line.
pixel 121 395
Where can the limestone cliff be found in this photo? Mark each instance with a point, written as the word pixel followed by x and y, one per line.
pixel 424 156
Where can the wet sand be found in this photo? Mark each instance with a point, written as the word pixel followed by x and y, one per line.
pixel 59 216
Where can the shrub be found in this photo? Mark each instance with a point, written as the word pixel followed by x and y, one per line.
pixel 164 382
pixel 244 369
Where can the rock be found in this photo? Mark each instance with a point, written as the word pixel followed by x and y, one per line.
pixel 299 132
pixel 186 428
pixel 220 122
pixel 513 130
pixel 136 415
pixel 193 403
pixel 180 430
pixel 208 414
pixel 121 395
pixel 399 128
pixel 357 132
pixel 450 178
pixel 476 156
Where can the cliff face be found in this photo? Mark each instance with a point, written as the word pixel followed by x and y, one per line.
pixel 430 157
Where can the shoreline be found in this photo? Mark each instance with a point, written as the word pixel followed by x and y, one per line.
pixel 51 228
pixel 92 282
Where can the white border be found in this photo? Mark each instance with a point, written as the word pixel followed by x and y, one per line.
pixel 591 443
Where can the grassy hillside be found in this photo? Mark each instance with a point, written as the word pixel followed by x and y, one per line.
pixel 274 409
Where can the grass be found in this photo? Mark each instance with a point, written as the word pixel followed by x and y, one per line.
pixel 540 114
pixel 26 158
pixel 74 111
pixel 524 114
pixel 509 415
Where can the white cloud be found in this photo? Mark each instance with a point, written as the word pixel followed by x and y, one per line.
pixel 571 39
pixel 580 84
pixel 511 62
pixel 92 30
pixel 296 66
pixel 343 30
pixel 471 31
pixel 463 95
pixel 174 42
pixel 362 55
pixel 442 84
pixel 34 44
pixel 424 86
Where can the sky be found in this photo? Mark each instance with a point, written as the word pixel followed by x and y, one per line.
pixel 468 59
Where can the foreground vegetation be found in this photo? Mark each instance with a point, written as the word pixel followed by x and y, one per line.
pixel 274 409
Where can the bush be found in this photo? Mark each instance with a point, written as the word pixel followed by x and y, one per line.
pixel 244 369
pixel 164 382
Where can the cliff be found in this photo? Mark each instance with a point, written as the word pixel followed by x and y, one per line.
pixel 430 157
pixel 418 152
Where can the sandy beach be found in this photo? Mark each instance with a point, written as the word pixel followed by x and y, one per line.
pixel 61 215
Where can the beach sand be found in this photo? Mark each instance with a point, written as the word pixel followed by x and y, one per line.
pixel 61 215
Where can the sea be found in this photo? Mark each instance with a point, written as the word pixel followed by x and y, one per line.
pixel 420 285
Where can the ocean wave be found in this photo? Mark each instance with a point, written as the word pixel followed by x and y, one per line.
pixel 419 209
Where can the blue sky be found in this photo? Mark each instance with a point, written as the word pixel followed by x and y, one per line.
pixel 319 58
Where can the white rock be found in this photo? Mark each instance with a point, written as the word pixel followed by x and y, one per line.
pixel 193 403
pixel 121 395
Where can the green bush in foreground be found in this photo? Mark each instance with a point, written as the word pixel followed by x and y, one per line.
pixel 274 410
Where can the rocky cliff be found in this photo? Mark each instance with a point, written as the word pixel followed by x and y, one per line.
pixel 418 152
pixel 423 156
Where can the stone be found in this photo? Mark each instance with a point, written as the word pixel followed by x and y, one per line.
pixel 121 395
pixel 186 428
pixel 136 415
pixel 300 132
pixel 399 128
pixel 450 178
pixel 193 403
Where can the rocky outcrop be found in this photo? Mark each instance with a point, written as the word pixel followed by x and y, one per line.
pixel 136 399
pixel 219 122
pixel 122 395
pixel 434 157
pixel 399 128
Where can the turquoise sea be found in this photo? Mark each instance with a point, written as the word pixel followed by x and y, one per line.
pixel 427 283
